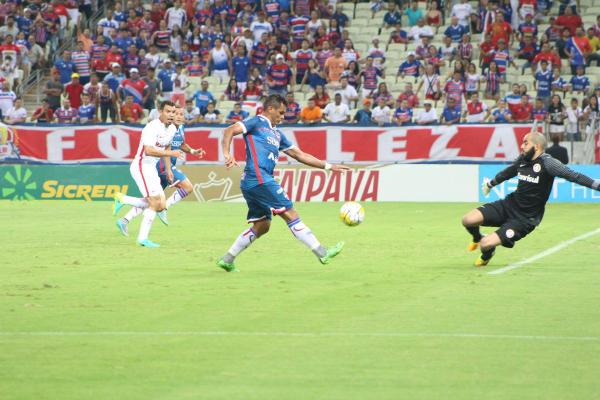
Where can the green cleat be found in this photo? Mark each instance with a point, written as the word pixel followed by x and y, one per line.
pixel 332 251
pixel 481 262
pixel 163 217
pixel 146 243
pixel 123 227
pixel 225 266
pixel 118 203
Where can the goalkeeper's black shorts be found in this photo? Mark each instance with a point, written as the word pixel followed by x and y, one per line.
pixel 511 227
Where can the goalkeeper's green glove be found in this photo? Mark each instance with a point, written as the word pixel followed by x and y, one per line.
pixel 486 186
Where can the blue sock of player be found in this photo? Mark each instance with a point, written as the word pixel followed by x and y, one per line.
pixel 135 201
pixel 177 196
pixel 304 234
pixel 146 224
pixel 242 242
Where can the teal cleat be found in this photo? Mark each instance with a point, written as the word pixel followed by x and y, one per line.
pixel 332 251
pixel 118 203
pixel 146 243
pixel 225 266
pixel 163 217
pixel 123 227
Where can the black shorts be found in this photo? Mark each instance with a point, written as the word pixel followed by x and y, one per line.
pixel 511 228
pixel 107 109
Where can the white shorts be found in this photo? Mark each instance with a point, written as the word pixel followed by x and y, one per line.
pixel 556 128
pixel 147 180
pixel 242 85
pixel 220 73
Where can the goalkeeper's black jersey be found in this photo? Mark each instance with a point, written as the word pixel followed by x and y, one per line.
pixel 536 178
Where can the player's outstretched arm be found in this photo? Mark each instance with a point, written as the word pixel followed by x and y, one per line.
pixel 228 134
pixel 311 161
pixel 558 169
pixel 187 149
pixel 506 174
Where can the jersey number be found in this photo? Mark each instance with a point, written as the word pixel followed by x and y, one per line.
pixel 272 157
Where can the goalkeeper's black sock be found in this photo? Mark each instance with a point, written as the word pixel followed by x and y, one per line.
pixel 474 231
pixel 486 255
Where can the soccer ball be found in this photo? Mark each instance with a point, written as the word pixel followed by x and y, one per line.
pixel 352 213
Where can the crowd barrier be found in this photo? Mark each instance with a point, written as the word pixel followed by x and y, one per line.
pixel 362 144
pixel 363 183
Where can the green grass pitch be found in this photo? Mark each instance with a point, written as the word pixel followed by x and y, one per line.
pixel 401 313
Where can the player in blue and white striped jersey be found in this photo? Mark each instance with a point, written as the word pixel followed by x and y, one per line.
pixel 262 193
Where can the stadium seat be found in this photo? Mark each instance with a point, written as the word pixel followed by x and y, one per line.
pixel 396 47
pixel 489 103
pixel 359 22
pixel 226 105
pixel 354 31
pixel 213 80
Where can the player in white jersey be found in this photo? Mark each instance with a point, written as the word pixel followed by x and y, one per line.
pixel 181 182
pixel 154 144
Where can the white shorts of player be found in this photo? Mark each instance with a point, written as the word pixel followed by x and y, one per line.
pixel 147 180
pixel 556 128
pixel 223 73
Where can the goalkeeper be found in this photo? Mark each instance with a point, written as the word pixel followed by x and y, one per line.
pixel 520 212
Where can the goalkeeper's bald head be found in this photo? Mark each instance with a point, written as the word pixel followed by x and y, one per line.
pixel 537 138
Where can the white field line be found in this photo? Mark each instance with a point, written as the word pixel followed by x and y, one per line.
pixel 544 253
pixel 316 335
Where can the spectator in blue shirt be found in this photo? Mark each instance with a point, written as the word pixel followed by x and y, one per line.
pixel 543 83
pixel 341 18
pixel 363 116
pixel 165 77
pixel 24 22
pixel 392 16
pixel 450 113
pixel 203 97
pixel 455 31
pixel 86 114
pixel 124 42
pixel 65 67
pixel 413 13
pixel 411 67
pixel 502 114
pixel 237 114
pixel 579 83
pixel 115 78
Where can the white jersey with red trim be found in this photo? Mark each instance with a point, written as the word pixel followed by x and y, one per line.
pixel 157 135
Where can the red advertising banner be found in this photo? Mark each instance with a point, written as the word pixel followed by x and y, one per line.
pixel 349 144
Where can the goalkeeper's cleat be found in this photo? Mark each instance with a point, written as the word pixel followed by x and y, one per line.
pixel 118 203
pixel 472 246
pixel 146 243
pixel 332 251
pixel 225 266
pixel 481 262
pixel 163 217
pixel 123 226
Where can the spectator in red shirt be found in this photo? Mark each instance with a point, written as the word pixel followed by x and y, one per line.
pixel 413 99
pixel 43 114
pixel 501 30
pixel 102 66
pixel 568 20
pixel 484 55
pixel 131 112
pixel 113 55
pixel 157 15
pixel 73 91
pixel 548 55
pixel 524 112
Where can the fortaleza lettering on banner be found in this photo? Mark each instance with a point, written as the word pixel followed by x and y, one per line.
pixel 348 144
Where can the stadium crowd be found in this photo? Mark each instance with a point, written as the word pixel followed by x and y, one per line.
pixel 378 63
